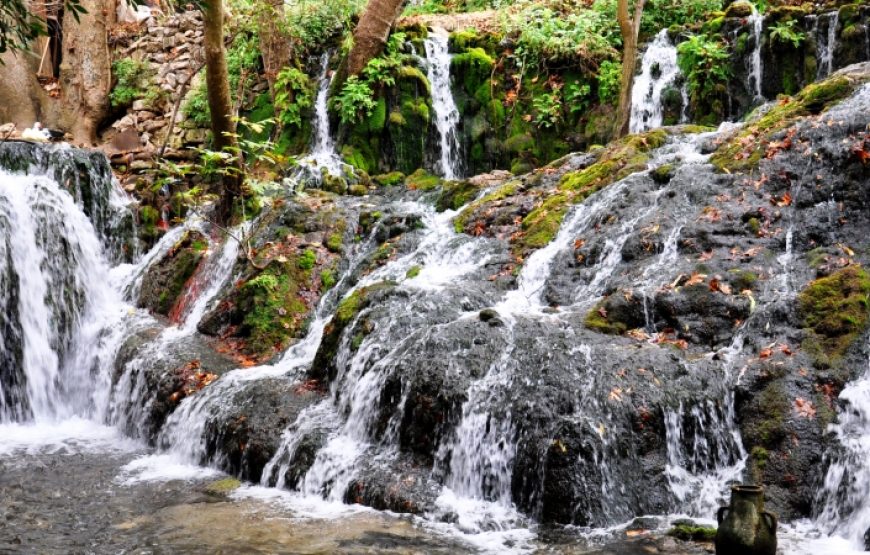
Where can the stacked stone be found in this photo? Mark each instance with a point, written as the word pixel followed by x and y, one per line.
pixel 173 47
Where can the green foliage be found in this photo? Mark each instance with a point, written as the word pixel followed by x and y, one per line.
pixel 355 101
pixel 306 260
pixel 661 14
pixel 704 62
pixel 327 279
pixel 275 311
pixel 310 24
pixel 243 62
pixel 577 97
pixel 784 33
pixel 548 109
pixel 196 106
pixel 294 95
pixel 132 81
pixel 264 282
pixel 581 37
pixel 609 78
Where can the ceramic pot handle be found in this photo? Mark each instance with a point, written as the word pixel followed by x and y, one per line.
pixel 770 518
pixel 720 514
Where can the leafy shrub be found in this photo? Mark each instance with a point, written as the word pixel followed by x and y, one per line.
pixel 312 23
pixel 609 80
pixel 661 14
pixel 132 81
pixel 548 109
pixel 356 100
pixel 196 107
pixel 785 33
pixel 544 36
pixel 704 61
pixel 293 95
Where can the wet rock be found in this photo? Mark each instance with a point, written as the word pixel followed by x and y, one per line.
pixel 164 281
pixel 246 433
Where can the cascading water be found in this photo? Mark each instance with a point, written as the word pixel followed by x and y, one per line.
pixel 756 69
pixel 845 494
pixel 659 71
pixel 57 304
pixel 323 153
pixel 827 45
pixel 443 105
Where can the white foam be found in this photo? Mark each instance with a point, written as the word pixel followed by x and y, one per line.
pixel 164 467
pixel 74 435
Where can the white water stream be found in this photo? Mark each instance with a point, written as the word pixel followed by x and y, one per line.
pixel 446 114
pixel 756 69
pixel 659 71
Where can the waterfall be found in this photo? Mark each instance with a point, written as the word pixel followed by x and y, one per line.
pixel 323 152
pixel 57 302
pixel 827 46
pixel 756 69
pixel 446 113
pixel 659 70
pixel 845 493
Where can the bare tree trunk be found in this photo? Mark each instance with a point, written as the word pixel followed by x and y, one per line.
pixel 629 27
pixel 220 103
pixel 86 70
pixel 274 42
pixel 370 35
pixel 20 93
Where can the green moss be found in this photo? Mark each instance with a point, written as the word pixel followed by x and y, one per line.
pixel 223 487
pixel 834 310
pixel 413 271
pixel 358 158
pixel 663 173
pixel 691 532
pixel 743 280
pixel 617 161
pixel 519 144
pixel 411 73
pixel 775 407
pixel 754 225
pixel 759 456
pixel 455 194
pixel 598 320
pixel 506 190
pixel 389 179
pixel 743 151
pixel 422 180
pixel 306 260
pixel 327 279
pixel 335 242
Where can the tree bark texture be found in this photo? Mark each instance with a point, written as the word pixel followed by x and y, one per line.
pixel 629 27
pixel 274 42
pixel 220 103
pixel 86 70
pixel 371 33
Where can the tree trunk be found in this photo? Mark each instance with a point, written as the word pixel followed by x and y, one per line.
pixel 86 70
pixel 629 27
pixel 20 93
pixel 220 103
pixel 274 42
pixel 370 35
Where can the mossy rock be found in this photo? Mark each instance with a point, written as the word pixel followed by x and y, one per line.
pixel 422 180
pixel 834 311
pixel 223 487
pixel 323 367
pixel 740 9
pixel 597 319
pixel 455 194
pixel 389 179
pixel 745 149
pixel 692 532
pixel 164 282
pixel 617 161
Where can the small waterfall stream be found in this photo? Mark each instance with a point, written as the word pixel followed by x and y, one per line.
pixel 659 71
pixel 756 69
pixel 446 114
pixel 827 45
pixel 323 151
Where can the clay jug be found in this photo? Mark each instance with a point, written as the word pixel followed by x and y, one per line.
pixel 745 528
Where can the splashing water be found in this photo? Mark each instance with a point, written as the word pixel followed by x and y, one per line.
pixel 659 71
pixel 827 46
pixel 756 70
pixel 446 113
